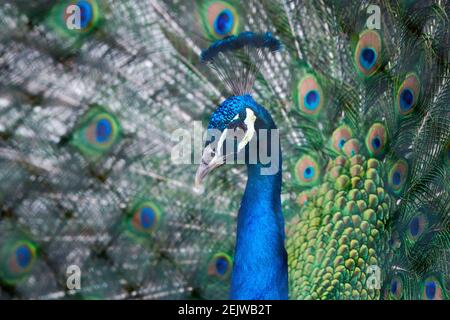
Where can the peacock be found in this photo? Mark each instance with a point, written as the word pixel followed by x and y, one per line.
pixel 92 93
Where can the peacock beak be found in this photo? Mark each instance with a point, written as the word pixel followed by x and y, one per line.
pixel 209 162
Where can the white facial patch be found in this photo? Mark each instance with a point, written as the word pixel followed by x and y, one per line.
pixel 249 121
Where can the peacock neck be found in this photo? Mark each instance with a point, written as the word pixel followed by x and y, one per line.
pixel 260 263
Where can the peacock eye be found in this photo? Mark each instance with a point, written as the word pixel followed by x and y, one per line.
pixel 376 139
pixel 220 265
pixel 17 260
pixel 23 256
pixel 312 99
pixel 306 171
pixel 223 23
pixel 97 132
pixel 432 289
pixel 396 288
pixel 406 98
pixel 146 217
pixel 309 96
pixel 103 130
pixel 367 52
pixel 407 94
pixel 220 19
pixel 367 58
pixel 417 226
pixel 397 176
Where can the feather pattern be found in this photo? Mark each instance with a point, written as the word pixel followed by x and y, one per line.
pixel 86 124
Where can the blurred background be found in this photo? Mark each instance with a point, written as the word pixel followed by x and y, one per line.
pixel 86 117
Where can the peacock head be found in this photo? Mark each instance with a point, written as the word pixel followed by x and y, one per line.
pixel 240 131
pixel 239 120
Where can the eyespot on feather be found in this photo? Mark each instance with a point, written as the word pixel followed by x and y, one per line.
pixel 376 139
pixel 145 217
pixel 432 289
pixel 18 258
pixel 368 52
pixel 307 171
pixel 97 132
pixel 397 177
pixel 220 265
pixel 309 96
pixel 408 94
pixel 396 288
pixel 417 226
pixel 219 19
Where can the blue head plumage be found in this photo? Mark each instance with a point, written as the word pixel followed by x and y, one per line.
pixel 232 126
pixel 234 106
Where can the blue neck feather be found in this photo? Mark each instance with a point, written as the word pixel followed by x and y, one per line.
pixel 260 263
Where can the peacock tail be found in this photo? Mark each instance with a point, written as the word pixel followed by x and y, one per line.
pixel 86 145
